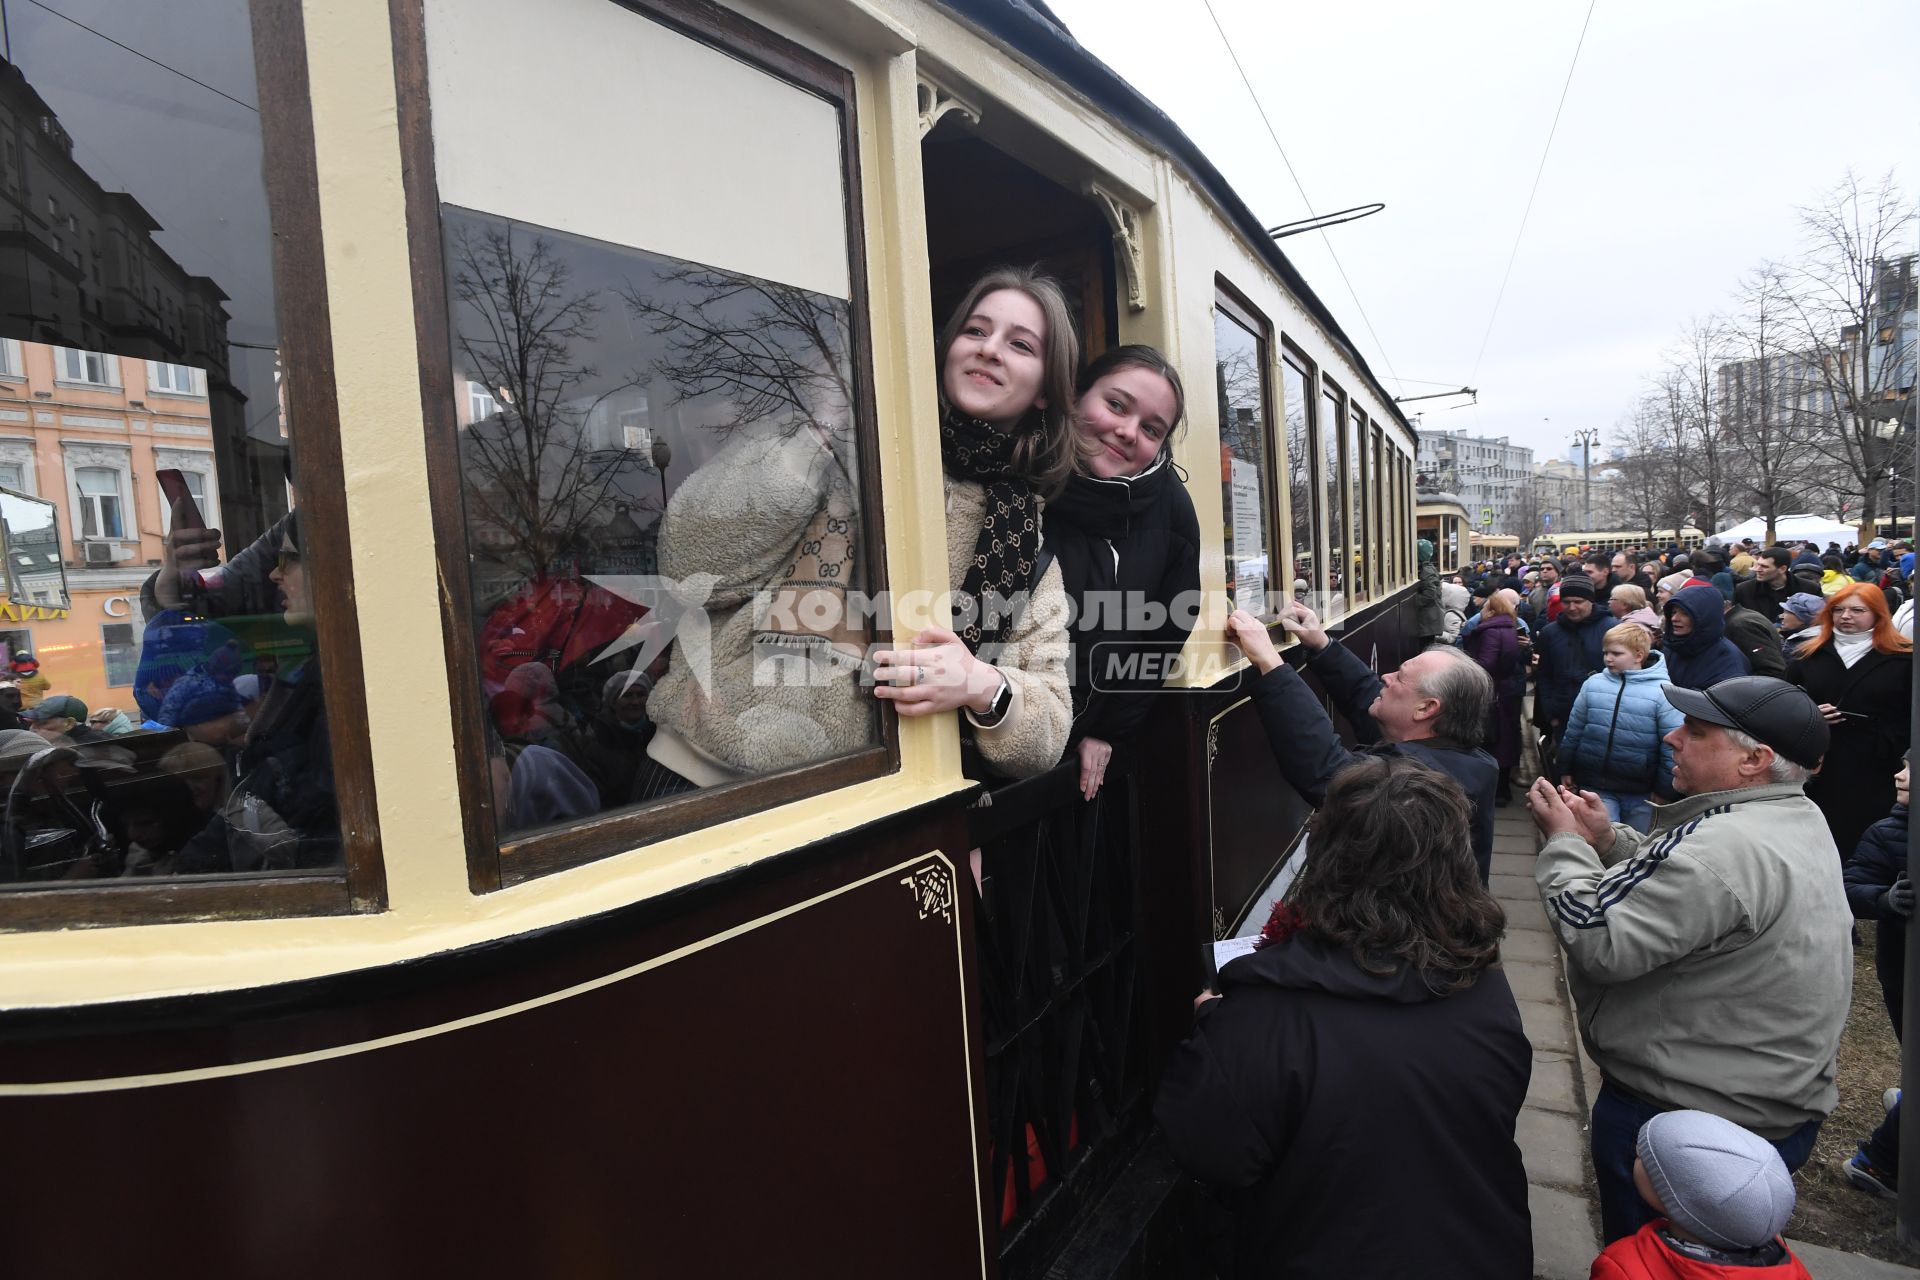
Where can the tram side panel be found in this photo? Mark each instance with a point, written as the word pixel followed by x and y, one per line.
pixel 793 1091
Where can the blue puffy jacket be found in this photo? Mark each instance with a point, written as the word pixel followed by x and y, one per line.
pixel 1614 738
pixel 1704 656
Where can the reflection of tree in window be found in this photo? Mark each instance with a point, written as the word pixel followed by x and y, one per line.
pixel 99 502
pixel 535 483
pixel 1300 490
pixel 1239 383
pixel 776 353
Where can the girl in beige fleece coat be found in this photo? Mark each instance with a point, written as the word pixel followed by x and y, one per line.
pixel 1007 363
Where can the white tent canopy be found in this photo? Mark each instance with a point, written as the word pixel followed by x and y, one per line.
pixel 1819 530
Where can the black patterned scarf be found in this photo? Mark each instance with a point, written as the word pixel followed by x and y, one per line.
pixel 1008 548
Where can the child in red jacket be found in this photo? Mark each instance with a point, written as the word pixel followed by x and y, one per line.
pixel 1727 1196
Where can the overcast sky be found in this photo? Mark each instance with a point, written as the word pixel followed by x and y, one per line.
pixel 1691 132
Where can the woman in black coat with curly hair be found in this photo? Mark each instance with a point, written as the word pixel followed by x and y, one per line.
pixel 1368 1053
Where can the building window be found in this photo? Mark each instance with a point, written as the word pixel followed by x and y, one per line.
pixel 99 502
pixel 175 379
pixel 120 651
pixel 12 476
pixel 89 368
pixel 11 365
pixel 481 403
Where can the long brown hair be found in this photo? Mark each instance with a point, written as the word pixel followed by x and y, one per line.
pixel 1390 874
pixel 1043 458
pixel 1885 638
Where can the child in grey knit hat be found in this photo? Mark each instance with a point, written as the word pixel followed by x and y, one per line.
pixel 1727 1196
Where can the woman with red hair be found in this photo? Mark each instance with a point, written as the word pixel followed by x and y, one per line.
pixel 1860 670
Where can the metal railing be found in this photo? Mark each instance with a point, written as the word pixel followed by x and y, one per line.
pixel 1059 969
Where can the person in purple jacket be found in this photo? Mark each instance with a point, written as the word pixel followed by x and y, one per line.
pixel 1494 643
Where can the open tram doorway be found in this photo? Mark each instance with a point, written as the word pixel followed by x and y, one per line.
pixel 987 209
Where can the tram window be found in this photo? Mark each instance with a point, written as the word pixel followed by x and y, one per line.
pixel 658 419
pixel 1339 562
pixel 1303 497
pixel 1240 379
pixel 1380 570
pixel 172 603
pixel 1362 508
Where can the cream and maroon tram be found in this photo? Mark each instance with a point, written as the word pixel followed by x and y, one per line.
pixel 354 956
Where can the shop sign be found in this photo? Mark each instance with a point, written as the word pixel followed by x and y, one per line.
pixel 11 612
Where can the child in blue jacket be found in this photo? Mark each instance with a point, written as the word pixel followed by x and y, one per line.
pixel 1615 743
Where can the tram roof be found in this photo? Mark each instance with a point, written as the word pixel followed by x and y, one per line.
pixel 1033 30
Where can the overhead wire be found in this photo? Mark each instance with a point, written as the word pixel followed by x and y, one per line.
pixel 1380 346
pixel 1545 151
pixel 143 56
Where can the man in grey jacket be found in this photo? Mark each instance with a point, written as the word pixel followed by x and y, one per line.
pixel 1709 958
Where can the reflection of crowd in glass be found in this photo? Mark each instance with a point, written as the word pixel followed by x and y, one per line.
pixel 224 763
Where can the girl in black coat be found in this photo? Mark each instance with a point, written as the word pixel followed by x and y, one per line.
pixel 1128 545
pixel 1860 671
pixel 1368 1053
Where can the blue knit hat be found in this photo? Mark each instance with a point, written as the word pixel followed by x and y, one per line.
pixel 175 643
pixel 196 698
pixel 1805 605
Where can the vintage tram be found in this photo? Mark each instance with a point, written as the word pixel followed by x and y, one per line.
pixel 429 306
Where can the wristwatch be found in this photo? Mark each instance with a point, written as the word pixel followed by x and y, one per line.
pixel 996 709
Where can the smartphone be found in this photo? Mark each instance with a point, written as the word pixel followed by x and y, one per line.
pixel 186 512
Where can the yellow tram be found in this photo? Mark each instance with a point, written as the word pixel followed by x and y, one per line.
pixel 429 307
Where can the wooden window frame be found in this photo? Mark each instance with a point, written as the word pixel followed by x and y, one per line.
pixel 492 865
pixel 1302 364
pixel 1343 518
pixel 291 176
pixel 1240 309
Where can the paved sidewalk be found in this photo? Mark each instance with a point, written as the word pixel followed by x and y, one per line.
pixel 1553 1124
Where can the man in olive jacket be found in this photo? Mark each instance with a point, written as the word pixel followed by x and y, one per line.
pixel 1710 958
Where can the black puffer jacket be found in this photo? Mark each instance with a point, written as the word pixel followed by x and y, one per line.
pixel 1314 1095
pixel 1879 860
pixel 1129 556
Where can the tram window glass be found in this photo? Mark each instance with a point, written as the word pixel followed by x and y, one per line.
pixel 1339 564
pixel 659 422
pixel 1240 379
pixel 1302 495
pixel 1362 507
pixel 1380 562
pixel 153 567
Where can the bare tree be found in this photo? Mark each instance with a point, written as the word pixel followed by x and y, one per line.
pixel 777 353
pixel 1849 291
pixel 1763 400
pixel 1689 393
pixel 1644 493
pixel 1523 511
pixel 535 483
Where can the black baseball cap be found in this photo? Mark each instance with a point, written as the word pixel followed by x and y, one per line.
pixel 1773 711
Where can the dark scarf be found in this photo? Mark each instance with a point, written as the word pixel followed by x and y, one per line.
pixel 1008 547
pixel 1092 514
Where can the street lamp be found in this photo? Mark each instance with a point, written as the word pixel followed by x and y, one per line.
pixel 1587 438
pixel 662 455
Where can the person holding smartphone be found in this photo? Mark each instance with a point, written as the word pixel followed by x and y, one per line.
pixel 1859 670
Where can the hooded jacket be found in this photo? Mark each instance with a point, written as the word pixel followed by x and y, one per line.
pixel 1758 639
pixel 1709 959
pixel 1129 556
pixel 1704 656
pixel 1614 737
pixel 1314 1092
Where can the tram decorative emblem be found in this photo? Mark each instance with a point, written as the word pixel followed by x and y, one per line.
pixel 932 889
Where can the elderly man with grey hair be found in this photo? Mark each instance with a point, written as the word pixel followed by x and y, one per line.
pixel 1434 708
pixel 1709 958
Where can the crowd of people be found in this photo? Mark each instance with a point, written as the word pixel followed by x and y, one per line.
pixel 1723 737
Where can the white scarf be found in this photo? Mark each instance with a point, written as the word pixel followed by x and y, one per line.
pixel 1852 648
